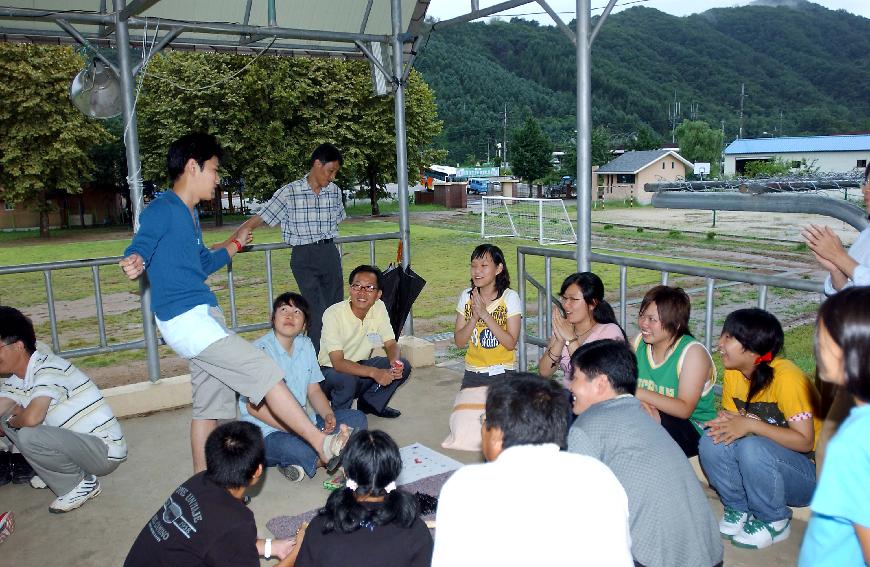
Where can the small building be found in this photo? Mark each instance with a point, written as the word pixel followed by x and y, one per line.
pixel 826 154
pixel 624 177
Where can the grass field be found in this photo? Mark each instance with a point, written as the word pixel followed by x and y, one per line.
pixel 439 251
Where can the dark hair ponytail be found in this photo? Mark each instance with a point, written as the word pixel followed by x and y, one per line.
pixel 372 460
pixel 592 289
pixel 760 332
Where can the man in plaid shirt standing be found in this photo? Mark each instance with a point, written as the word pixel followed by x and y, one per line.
pixel 309 211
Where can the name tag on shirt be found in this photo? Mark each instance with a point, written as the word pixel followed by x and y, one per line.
pixel 374 339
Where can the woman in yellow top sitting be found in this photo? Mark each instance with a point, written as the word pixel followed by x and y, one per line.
pixel 757 453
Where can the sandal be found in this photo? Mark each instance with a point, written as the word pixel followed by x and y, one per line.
pixel 333 452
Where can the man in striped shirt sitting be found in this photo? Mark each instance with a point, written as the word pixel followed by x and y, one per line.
pixel 56 416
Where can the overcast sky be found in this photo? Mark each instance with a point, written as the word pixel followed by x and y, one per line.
pixel 444 9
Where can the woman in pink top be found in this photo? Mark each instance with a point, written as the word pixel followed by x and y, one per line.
pixel 587 318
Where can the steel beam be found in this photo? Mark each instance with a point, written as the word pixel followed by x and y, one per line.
pixel 74 33
pixel 401 143
pixel 769 203
pixel 237 29
pixel 136 7
pixel 559 22
pixel 134 179
pixel 51 15
pixel 601 20
pixel 476 14
pixel 584 137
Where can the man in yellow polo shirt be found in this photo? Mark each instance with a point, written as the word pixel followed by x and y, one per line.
pixel 351 330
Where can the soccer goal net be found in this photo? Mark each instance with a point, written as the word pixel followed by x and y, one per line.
pixel 544 220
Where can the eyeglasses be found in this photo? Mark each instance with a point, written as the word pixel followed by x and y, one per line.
pixel 483 419
pixel 4 345
pixel 366 288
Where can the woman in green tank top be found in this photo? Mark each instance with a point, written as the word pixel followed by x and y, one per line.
pixel 675 372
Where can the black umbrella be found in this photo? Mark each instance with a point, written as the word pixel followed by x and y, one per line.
pixel 401 288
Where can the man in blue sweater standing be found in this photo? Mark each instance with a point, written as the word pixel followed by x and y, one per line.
pixel 169 247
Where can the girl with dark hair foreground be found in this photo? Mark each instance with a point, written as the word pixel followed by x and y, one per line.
pixel 369 522
pixel 839 530
pixel 758 452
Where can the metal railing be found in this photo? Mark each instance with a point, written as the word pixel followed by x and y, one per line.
pixel 789 203
pixel 105 347
pixel 710 275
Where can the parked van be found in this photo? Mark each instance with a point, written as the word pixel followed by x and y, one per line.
pixel 477 186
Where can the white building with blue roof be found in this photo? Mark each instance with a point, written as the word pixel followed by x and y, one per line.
pixel 829 154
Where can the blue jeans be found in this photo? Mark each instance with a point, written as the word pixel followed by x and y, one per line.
pixel 285 449
pixel 759 476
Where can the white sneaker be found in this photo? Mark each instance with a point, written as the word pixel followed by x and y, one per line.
pixel 88 488
pixel 36 482
pixel 293 473
pixel 758 535
pixel 732 522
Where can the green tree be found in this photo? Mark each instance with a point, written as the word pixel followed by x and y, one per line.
pixel 700 143
pixel 271 116
pixel 601 145
pixel 646 139
pixel 766 168
pixel 44 140
pixel 531 151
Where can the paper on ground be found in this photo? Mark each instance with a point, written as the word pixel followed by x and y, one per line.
pixel 419 461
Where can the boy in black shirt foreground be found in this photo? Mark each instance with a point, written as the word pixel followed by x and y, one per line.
pixel 205 522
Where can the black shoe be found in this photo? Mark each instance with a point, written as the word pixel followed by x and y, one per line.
pixel 22 472
pixel 387 412
pixel 5 468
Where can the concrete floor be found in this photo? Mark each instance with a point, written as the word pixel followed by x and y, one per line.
pixel 102 531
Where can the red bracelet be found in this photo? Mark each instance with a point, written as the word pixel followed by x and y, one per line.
pixel 238 244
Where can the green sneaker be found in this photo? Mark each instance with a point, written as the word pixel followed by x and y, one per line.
pixel 732 522
pixel 758 535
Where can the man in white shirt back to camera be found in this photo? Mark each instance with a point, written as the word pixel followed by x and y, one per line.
pixel 531 504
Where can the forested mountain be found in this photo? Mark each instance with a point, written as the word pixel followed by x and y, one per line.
pixel 806 71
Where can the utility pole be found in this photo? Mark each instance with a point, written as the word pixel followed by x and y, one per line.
pixel 693 111
pixel 780 124
pixel 487 149
pixel 674 117
pixel 742 96
pixel 504 138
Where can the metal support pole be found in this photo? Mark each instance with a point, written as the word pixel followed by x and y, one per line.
pixel 52 316
pixel 269 289
pixel 708 313
pixel 98 303
pixel 584 137
pixel 548 285
pixel 401 144
pixel 762 297
pixel 521 274
pixel 134 178
pixel 665 277
pixel 623 295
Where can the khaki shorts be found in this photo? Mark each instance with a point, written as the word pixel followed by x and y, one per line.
pixel 226 367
